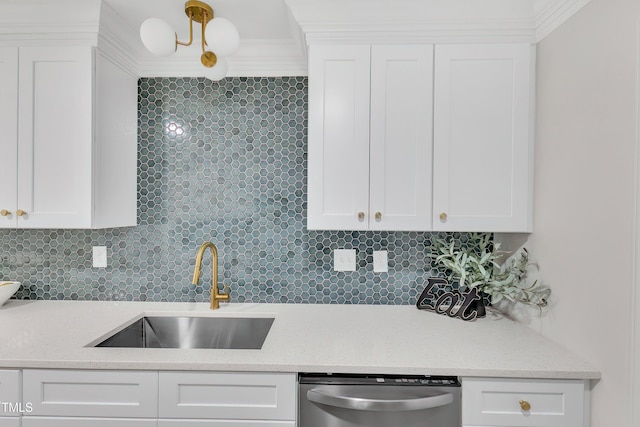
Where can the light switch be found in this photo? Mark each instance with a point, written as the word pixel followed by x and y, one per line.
pixel 380 262
pixel 100 256
pixel 344 260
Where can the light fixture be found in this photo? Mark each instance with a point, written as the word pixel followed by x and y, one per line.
pixel 218 34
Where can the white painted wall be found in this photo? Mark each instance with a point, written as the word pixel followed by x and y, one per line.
pixel 584 198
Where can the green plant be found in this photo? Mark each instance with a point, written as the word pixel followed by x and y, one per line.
pixel 475 264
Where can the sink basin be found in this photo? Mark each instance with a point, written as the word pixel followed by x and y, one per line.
pixel 192 332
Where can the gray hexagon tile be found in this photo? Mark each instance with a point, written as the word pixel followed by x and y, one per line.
pixel 224 162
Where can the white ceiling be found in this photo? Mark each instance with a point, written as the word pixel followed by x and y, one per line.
pixel 255 19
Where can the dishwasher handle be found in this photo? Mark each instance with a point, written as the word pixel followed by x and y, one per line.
pixel 365 404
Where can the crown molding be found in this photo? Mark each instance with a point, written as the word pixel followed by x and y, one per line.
pixel 95 23
pixel 116 40
pixel 424 32
pixel 556 13
pixel 59 19
pixel 49 39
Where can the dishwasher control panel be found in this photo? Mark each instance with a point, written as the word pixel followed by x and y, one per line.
pixel 372 379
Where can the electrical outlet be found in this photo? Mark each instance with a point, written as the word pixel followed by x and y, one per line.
pixel 380 262
pixel 344 260
pixel 100 256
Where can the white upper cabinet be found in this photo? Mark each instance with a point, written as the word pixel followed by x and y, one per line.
pixel 72 161
pixel 338 165
pixel 394 145
pixel 370 137
pixel 9 126
pixel 54 134
pixel 483 145
pixel 401 142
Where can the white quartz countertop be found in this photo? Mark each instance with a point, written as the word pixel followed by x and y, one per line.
pixel 303 338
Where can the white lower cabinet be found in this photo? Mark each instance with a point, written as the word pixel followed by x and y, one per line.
pixel 78 398
pixel 10 422
pixel 102 394
pixel 85 422
pixel 225 423
pixel 11 404
pixel 228 396
pixel 10 397
pixel 524 403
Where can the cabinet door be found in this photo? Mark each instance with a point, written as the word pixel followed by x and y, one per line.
pixel 228 395
pixel 85 422
pixel 116 145
pixel 55 137
pixel 10 393
pixel 9 421
pixel 224 423
pixel 126 394
pixel 482 138
pixel 9 140
pixel 401 137
pixel 338 159
pixel 501 402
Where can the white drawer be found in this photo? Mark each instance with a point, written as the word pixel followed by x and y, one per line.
pixel 496 402
pixel 9 421
pixel 225 423
pixel 241 396
pixel 91 393
pixel 86 422
pixel 10 393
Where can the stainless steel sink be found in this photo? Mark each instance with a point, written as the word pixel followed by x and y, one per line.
pixel 192 332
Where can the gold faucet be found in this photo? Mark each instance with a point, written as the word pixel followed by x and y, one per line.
pixel 215 296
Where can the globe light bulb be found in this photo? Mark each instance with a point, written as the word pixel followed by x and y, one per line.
pixel 218 71
pixel 158 37
pixel 222 37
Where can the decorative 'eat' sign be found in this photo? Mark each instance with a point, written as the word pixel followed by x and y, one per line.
pixel 466 306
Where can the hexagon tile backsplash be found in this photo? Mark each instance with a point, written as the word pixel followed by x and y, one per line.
pixel 224 162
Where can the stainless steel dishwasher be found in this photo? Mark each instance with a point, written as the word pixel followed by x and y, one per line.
pixel 327 400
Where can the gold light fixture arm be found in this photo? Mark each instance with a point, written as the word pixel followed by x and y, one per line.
pixel 204 26
pixel 208 59
pixel 190 15
pixel 159 37
pixel 199 12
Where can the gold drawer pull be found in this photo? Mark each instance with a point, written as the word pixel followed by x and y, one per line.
pixel 524 405
pixel 378 216
pixel 443 217
pixel 5 212
pixel 361 216
pixel 20 212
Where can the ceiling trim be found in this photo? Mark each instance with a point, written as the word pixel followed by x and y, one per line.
pixel 116 40
pixel 428 33
pixel 95 23
pixel 555 14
